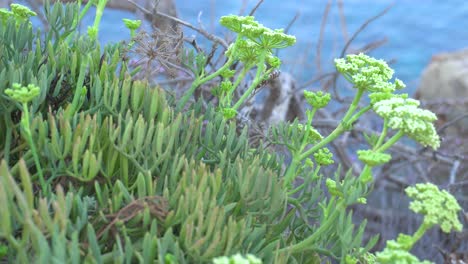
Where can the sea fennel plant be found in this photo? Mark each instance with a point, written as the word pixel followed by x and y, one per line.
pixel 253 49
pixel 132 179
pixel 368 76
pixel 438 208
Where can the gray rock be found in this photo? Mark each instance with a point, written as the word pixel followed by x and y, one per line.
pixel 444 89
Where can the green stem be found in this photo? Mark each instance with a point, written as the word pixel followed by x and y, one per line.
pixel 199 81
pixel 418 234
pixel 311 115
pixel 99 12
pixel 83 12
pixel 239 78
pixel 309 241
pixel 6 149
pixel 291 171
pixel 27 131
pixel 382 135
pixel 391 141
pixel 356 116
pixel 366 174
pixel 81 16
pixel 255 82
pixel 340 129
pixel 79 89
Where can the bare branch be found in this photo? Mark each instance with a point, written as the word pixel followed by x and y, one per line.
pixel 452 122
pixel 291 23
pixel 344 30
pixel 255 7
pixel 184 23
pixel 362 27
pixel 320 40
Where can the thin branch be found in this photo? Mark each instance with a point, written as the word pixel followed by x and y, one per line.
pixel 291 23
pixel 344 30
pixel 353 37
pixel 288 27
pixel 255 7
pixel 185 23
pixel 243 7
pixel 320 40
pixel 315 79
pixel 452 122
pixel 362 27
pixel 373 45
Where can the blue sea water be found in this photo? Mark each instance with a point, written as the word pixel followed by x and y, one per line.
pixel 415 29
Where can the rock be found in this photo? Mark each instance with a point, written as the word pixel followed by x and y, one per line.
pixel 444 89
pixel 281 103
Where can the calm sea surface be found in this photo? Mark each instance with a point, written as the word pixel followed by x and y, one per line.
pixel 415 29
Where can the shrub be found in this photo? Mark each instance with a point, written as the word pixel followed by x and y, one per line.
pixel 97 167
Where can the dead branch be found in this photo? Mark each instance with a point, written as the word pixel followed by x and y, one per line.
pixel 184 23
pixel 255 7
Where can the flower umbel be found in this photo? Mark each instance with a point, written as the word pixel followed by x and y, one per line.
pixel 21 11
pixel 236 23
pixel 368 73
pixel 317 99
pixel 132 25
pixel 323 156
pixel 395 253
pixel 405 114
pixel 438 207
pixel 268 39
pixel 23 94
pixel 228 113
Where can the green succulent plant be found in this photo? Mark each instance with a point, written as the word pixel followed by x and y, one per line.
pixel 97 167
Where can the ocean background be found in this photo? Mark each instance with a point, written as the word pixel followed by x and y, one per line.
pixel 415 29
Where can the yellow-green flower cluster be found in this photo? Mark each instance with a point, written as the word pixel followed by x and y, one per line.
pixel 404 114
pixel 132 25
pixel 228 113
pixel 238 259
pixel 254 39
pixel 23 94
pixel 438 207
pixel 246 51
pixel 19 12
pixel 332 188
pixel 323 156
pixel 368 73
pixel 373 158
pixel 395 253
pixel 246 26
pixel 317 99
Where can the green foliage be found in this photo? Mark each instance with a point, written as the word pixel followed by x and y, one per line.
pixel 128 179
pixel 252 48
pixel 99 168
pixel 438 207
